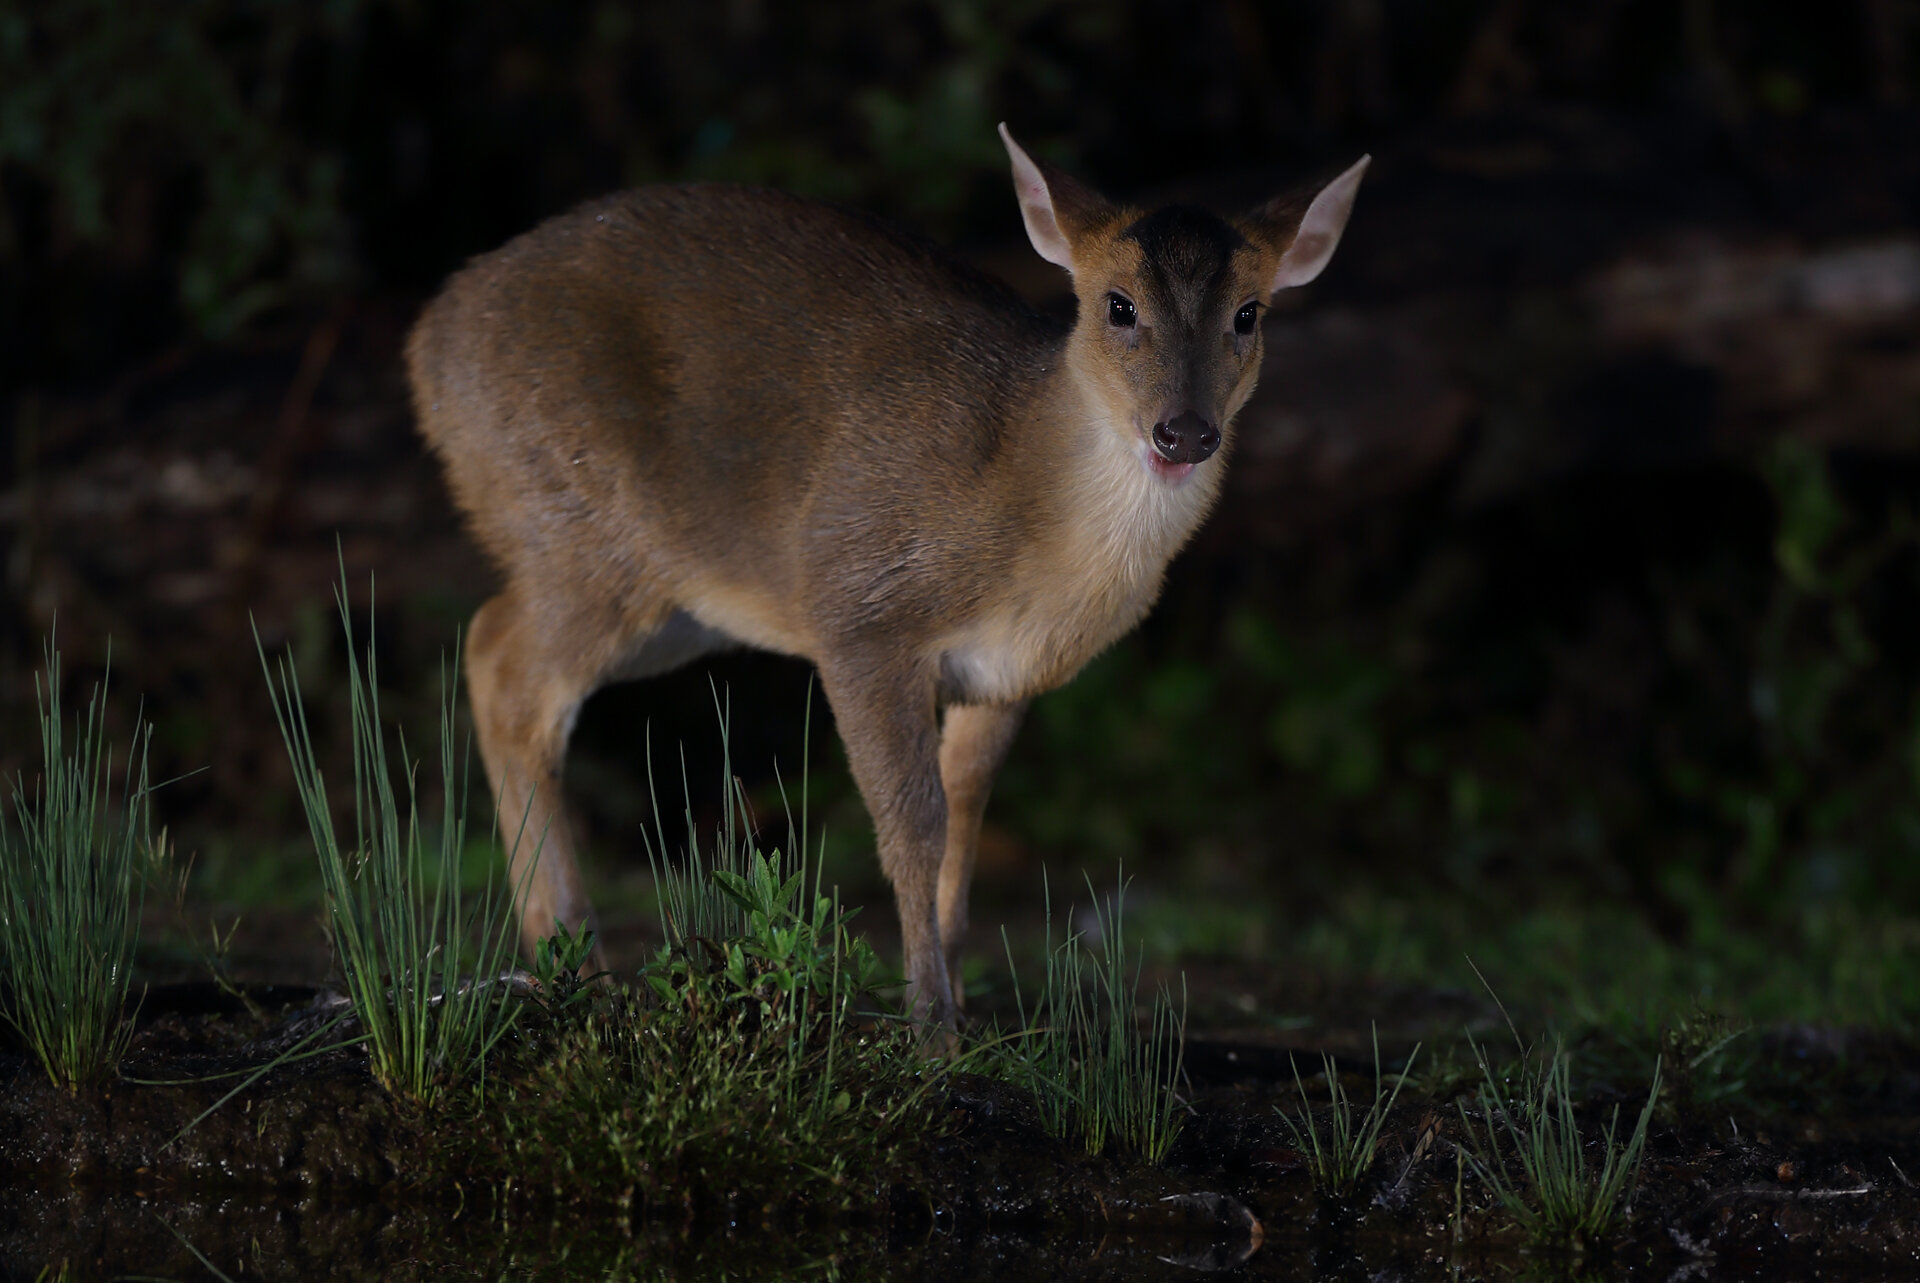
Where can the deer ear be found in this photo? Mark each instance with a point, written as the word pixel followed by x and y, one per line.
pixel 1311 241
pixel 1056 208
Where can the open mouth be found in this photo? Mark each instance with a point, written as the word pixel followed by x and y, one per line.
pixel 1175 446
pixel 1166 469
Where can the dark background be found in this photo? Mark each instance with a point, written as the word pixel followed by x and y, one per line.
pixel 1569 548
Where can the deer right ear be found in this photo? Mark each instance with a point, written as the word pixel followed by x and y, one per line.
pixel 1056 208
pixel 1311 242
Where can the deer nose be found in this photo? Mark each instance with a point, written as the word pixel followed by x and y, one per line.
pixel 1185 438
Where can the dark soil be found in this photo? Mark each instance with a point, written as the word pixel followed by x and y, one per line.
pixel 312 1168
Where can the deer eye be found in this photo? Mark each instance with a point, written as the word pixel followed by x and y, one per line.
pixel 1243 319
pixel 1119 312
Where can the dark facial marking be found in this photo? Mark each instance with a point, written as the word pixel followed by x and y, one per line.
pixel 1185 253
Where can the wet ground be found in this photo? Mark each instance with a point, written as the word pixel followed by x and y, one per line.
pixel 1801 1169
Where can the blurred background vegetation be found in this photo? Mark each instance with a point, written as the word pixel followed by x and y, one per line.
pixel 188 167
pixel 1629 627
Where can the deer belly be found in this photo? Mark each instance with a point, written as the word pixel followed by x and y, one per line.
pixel 750 618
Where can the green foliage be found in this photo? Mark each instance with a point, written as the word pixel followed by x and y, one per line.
pixel 1602 965
pixel 225 142
pixel 106 102
pixel 1326 704
pixel 1542 1174
pixel 1090 768
pixel 751 1049
pixel 245 118
pixel 932 139
pixel 694 902
pixel 743 1058
pixel 1341 1158
pixel 767 907
pixel 709 1094
pixel 71 889
pixel 559 962
pixel 1721 735
pixel 1093 1070
pixel 786 943
pixel 405 950
pixel 1709 1060
pixel 1818 817
pixel 1274 720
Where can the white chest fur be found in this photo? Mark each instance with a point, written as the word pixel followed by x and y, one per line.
pixel 1092 574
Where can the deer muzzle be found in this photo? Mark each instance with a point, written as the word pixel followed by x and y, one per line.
pixel 1186 438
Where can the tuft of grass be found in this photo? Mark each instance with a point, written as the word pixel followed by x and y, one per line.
pixel 71 889
pixel 692 901
pixel 1340 1159
pixel 1092 1069
pixel 402 930
pixel 1560 1197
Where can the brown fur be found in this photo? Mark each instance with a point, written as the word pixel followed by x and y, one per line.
pixel 684 418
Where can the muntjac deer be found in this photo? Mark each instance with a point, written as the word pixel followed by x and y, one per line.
pixel 687 418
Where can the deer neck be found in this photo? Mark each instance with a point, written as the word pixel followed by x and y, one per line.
pixel 1113 517
pixel 1099 529
pixel 1089 529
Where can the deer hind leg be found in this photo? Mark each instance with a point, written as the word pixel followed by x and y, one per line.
pixel 526 691
pixel 974 740
pixel 530 667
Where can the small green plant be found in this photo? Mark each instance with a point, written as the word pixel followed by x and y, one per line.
pixel 1091 1068
pixel 786 946
pixel 559 965
pixel 404 949
pixel 1709 1061
pixel 1548 1184
pixel 71 889
pixel 788 981
pixel 749 933
pixel 726 903
pixel 1340 1159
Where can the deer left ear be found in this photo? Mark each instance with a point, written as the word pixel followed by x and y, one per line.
pixel 1317 233
pixel 1058 211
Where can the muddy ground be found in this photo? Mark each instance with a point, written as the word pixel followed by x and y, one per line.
pixel 1803 1171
